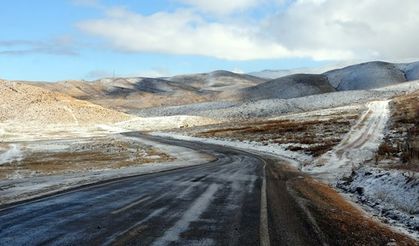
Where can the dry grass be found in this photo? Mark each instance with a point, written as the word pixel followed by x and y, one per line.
pixel 312 136
pixel 335 220
pixel 97 155
pixel 401 143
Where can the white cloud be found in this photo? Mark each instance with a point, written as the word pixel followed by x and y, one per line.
pixel 369 29
pixel 182 32
pixel 222 6
pixel 318 29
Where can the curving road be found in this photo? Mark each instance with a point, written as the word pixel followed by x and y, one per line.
pixel 223 202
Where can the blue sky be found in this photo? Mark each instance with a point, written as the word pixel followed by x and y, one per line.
pixel 87 39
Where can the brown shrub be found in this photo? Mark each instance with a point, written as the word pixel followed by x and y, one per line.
pixel 385 149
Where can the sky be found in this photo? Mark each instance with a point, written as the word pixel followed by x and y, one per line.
pixel 52 40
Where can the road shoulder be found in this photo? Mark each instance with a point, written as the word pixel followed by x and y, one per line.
pixel 329 218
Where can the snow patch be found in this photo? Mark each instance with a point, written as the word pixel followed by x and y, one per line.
pixel 390 193
pixel 14 153
pixel 294 158
pixel 359 145
pixel 279 107
pixel 20 187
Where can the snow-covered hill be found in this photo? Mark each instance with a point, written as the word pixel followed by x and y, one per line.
pixel 297 85
pixel 362 76
pixel 130 94
pixel 366 76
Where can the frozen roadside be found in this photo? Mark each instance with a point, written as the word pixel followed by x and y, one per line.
pixel 13 190
pixel 11 153
pixel 390 194
pixel 384 193
pixel 294 158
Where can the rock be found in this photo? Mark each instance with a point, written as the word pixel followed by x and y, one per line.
pixel 359 190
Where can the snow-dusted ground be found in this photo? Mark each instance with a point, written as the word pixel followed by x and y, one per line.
pixel 357 148
pixel 12 190
pixel 11 153
pixel 277 107
pixel 13 132
pixel 385 194
pixel 184 109
pixel 359 145
pixel 391 194
pixel 165 122
pixel 294 158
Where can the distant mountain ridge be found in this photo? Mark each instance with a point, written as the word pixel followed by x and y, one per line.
pixel 132 94
pixel 362 76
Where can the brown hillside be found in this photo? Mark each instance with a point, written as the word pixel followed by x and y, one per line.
pixel 27 104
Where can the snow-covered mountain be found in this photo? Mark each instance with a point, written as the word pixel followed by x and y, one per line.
pixel 362 76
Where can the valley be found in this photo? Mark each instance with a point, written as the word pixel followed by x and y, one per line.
pixel 180 159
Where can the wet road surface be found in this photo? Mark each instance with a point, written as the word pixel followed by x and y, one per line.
pixel 213 203
pixel 222 202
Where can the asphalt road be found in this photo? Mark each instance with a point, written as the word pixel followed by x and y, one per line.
pixel 223 202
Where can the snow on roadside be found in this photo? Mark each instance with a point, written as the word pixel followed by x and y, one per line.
pixel 13 132
pixel 385 193
pixel 12 154
pixel 12 190
pixel 164 122
pixel 294 158
pixel 359 145
pixel 393 194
